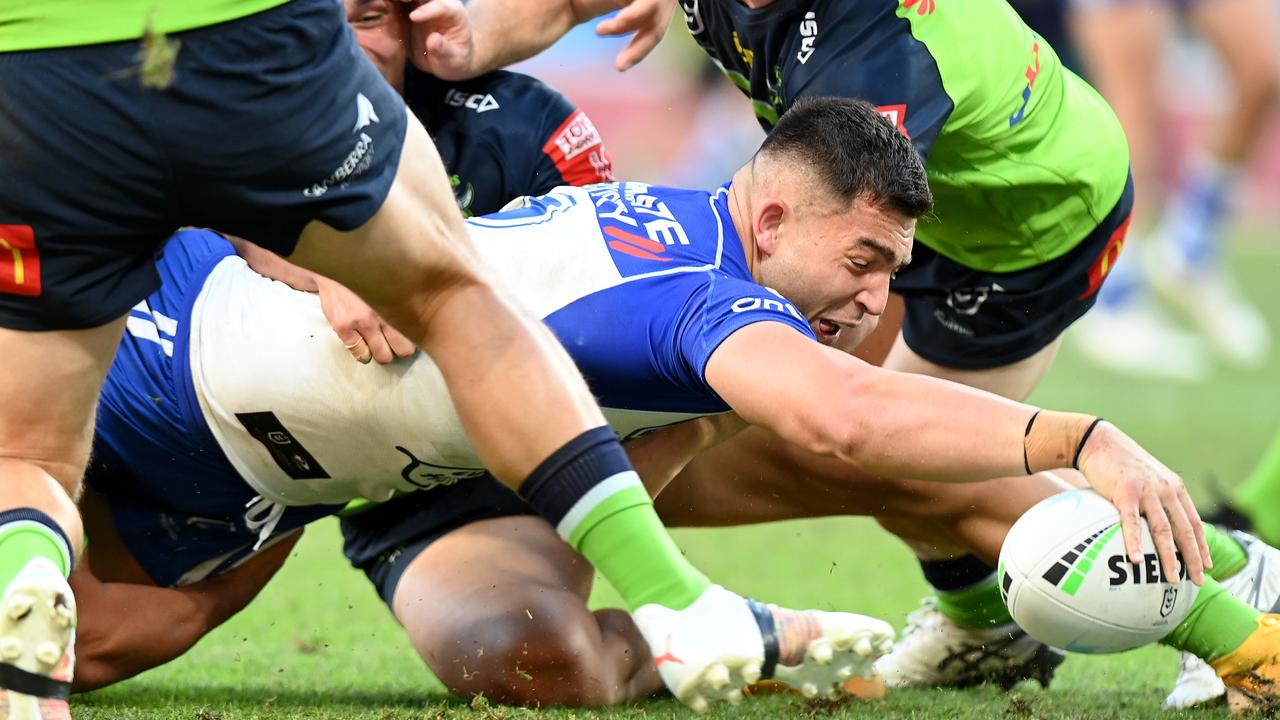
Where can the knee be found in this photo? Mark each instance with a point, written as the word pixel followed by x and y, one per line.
pixel 550 653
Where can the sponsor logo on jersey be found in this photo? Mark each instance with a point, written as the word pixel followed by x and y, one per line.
pixel 896 114
pixel 1106 260
pixel 773 304
pixel 743 51
pixel 634 245
pixel 480 102
pixel 923 7
pixel 968 301
pixel 692 17
pixel 635 225
pixel 808 37
pixel 578 152
pixel 283 447
pixel 365 114
pixel 1033 72
pixel 19 261
pixel 1069 572
pixel 428 475
pixel 360 157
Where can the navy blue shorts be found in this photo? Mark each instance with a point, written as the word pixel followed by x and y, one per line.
pixel 271 121
pixel 180 510
pixel 385 539
pixel 970 319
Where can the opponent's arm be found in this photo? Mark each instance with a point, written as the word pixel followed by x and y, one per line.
pixel 903 425
pixel 457 42
pixel 362 331
pixel 127 628
pixel 659 456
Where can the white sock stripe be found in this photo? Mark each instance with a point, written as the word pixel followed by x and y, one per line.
pixel 595 496
pixel 66 551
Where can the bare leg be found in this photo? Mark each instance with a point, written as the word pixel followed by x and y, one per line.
pixel 1243 32
pixel 1123 46
pixel 49 393
pixel 498 607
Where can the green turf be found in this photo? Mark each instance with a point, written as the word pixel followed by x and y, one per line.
pixel 319 644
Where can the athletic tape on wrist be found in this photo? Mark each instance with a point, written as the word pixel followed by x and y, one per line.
pixel 1026 462
pixel 1075 462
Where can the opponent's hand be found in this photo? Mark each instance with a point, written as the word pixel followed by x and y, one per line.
pixel 441 41
pixel 648 19
pixel 361 330
pixel 1138 484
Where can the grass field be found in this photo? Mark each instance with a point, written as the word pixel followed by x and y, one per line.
pixel 318 643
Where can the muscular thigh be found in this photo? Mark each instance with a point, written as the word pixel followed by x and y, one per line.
pixel 49 384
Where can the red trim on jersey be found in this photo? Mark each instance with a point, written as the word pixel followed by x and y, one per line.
pixel 19 261
pixel 644 242
pixel 578 152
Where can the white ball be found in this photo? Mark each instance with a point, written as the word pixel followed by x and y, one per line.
pixel 1067 581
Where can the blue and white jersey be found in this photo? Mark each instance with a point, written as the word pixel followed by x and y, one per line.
pixel 641 284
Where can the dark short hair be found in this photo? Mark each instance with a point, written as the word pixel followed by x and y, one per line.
pixel 855 151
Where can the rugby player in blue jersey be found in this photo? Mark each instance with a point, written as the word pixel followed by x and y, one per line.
pixel 656 293
pixel 1029 169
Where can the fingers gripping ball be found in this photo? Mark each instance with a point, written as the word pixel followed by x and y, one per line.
pixel 1067 581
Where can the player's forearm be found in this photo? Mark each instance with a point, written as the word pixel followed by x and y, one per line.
pixel 659 456
pixel 270 265
pixel 905 425
pixel 126 629
pixel 508 31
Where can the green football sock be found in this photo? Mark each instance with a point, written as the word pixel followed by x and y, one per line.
pixel 1228 554
pixel 589 492
pixel 1259 497
pixel 624 539
pixel 977 606
pixel 1216 624
pixel 26 534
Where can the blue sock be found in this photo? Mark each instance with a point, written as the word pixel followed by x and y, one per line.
pixel 1193 220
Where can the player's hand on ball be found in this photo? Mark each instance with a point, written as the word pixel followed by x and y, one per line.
pixel 361 330
pixel 441 41
pixel 1139 484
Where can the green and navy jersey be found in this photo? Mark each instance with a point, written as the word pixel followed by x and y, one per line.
pixel 503 135
pixel 39 24
pixel 1023 157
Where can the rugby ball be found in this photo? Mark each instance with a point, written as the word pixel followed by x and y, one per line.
pixel 1066 579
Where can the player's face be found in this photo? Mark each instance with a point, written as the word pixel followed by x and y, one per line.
pixel 835 267
pixel 382 31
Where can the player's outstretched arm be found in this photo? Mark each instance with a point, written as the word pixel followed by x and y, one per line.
pixel 456 42
pixel 128 628
pixel 904 425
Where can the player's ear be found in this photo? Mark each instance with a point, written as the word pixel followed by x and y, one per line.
pixel 768 221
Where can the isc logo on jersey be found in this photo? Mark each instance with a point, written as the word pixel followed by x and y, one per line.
pixel 808 37
pixel 480 102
